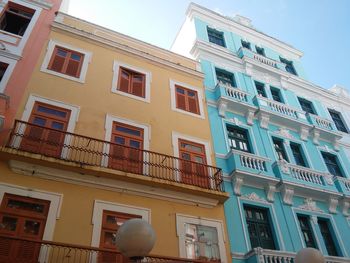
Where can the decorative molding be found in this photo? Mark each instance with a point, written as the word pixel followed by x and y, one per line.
pixel 287 195
pixel 328 178
pixel 336 144
pixel 332 204
pixel 222 107
pixel 250 117
pixel 314 219
pixel 270 192
pixel 236 121
pixel 304 133
pixel 264 120
pixel 310 205
pixel 282 131
pixel 237 184
pixel 284 165
pixel 315 136
pixel 346 206
pixel 254 197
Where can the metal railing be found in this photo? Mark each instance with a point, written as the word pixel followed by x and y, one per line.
pixel 87 151
pixel 20 250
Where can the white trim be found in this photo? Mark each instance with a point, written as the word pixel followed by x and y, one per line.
pixel 181 220
pixel 5 78
pixel 23 39
pixel 50 49
pixel 108 135
pixel 173 98
pixel 175 143
pixel 54 209
pixel 100 205
pixel 74 115
pixel 148 80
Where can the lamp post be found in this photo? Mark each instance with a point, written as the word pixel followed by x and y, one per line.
pixel 135 239
pixel 309 255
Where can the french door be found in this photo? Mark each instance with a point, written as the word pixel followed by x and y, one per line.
pixel 126 148
pixel 193 163
pixel 21 217
pixel 111 222
pixel 46 132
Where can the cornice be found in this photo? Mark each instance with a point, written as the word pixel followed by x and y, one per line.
pixel 59 24
pixel 41 3
pixel 197 10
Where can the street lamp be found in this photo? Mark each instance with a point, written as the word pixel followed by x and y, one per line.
pixel 135 238
pixel 309 255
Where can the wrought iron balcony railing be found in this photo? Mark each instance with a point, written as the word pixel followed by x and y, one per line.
pixel 20 250
pixel 87 151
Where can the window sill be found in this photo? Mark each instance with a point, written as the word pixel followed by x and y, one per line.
pixel 131 96
pixel 58 74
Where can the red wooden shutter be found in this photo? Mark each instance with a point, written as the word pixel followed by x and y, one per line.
pixel 138 85
pixel 58 59
pixel 193 105
pixel 180 98
pixel 124 80
pixel 74 63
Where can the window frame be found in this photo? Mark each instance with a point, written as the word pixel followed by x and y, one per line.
pixel 8 72
pixel 260 51
pixel 182 219
pixel 331 233
pixel 117 65
pixel 303 102
pixel 233 83
pixel 247 139
pixel 280 96
pixel 173 84
pixel 246 44
pixel 273 138
pixel 215 31
pixel 311 230
pixel 49 57
pixel 345 128
pixel 339 166
pixel 301 153
pixel 263 86
pixel 289 66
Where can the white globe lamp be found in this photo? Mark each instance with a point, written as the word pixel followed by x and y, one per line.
pixel 135 239
pixel 309 255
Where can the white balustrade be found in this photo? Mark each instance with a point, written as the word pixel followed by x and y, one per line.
pixel 234 93
pixel 345 182
pixel 251 161
pixel 280 108
pixel 265 60
pixel 322 122
pixel 307 175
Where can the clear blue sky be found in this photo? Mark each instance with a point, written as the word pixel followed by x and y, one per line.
pixel 319 28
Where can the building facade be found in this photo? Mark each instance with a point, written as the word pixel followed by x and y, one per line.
pixel 109 128
pixel 281 141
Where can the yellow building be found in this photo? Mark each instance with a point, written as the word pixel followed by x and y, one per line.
pixel 111 128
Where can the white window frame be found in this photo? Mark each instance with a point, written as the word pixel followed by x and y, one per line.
pixel 73 119
pixel 5 78
pixel 199 95
pixel 148 79
pixel 108 134
pixel 182 219
pixel 49 52
pixel 100 205
pixel 8 37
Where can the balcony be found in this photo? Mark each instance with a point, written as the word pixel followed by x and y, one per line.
pixel 44 143
pixel 19 250
pixel 304 176
pixel 234 99
pixel 260 255
pixel 343 184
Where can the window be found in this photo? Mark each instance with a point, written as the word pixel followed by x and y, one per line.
pixel 126 151
pixel 276 95
pixel 306 106
pixel 22 217
pixel 306 231
pixel 66 61
pixel 238 139
pixel 260 89
pixel 260 50
pixel 259 228
pixel 3 67
pixel 193 163
pixel 298 155
pixel 327 237
pixel 279 148
pixel 338 121
pixel 288 66
pixel 131 82
pixel 245 44
pixel 187 99
pixel 47 130
pixel 16 18
pixel 225 77
pixel 332 164
pixel 216 37
pixel 201 242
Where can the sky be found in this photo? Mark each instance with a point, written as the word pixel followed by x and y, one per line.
pixel 318 28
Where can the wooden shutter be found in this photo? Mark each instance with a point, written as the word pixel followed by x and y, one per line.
pixel 138 84
pixel 180 98
pixel 193 104
pixel 124 80
pixel 74 63
pixel 57 61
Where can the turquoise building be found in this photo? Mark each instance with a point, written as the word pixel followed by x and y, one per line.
pixel 282 141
